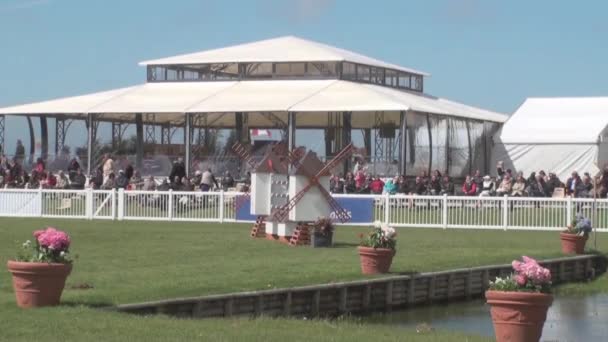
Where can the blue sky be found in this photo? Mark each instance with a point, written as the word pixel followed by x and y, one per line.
pixel 491 54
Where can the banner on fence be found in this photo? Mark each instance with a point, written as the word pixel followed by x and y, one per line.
pixel 361 210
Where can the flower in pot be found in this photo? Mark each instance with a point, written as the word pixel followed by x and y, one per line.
pixel 576 234
pixel 377 249
pixel 41 268
pixel 520 302
pixel 323 232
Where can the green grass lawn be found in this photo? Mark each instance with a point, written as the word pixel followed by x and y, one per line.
pixel 128 262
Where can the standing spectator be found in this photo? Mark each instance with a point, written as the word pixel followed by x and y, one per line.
pixel 227 181
pixel 129 171
pixel 350 185
pixel 499 170
pixel 519 187
pixel 62 180
pixel 376 186
pixel 420 187
pixel 586 187
pixel 447 186
pixel 469 187
pixel 135 183
pixel 108 167
pixel 178 169
pixel 208 180
pixel 73 166
pixel 488 187
pixel 603 193
pixel 97 179
pixel 402 186
pixel 478 180
pixel 20 151
pixel 505 186
pixel 336 185
pixel 531 178
pixel 572 184
pixel 552 183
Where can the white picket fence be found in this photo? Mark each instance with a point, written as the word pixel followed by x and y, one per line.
pixel 397 210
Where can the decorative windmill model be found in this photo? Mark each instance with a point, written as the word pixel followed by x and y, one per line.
pixel 289 190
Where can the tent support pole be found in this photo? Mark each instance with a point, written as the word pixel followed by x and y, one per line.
pixel 402 142
pixel 44 137
pixel 89 142
pixel 346 137
pixel 139 147
pixel 2 126
pixel 188 141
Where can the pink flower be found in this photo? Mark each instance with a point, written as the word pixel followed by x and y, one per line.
pixel 516 265
pixel 520 279
pixel 53 239
pixel 528 260
pixel 37 233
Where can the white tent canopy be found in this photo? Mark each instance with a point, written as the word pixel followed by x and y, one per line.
pixel 558 135
pixel 282 49
pixel 302 96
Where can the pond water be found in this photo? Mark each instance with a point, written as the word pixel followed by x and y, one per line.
pixel 568 319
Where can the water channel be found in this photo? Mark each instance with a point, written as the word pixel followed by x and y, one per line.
pixel 572 318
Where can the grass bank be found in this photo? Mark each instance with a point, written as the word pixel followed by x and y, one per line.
pixel 127 262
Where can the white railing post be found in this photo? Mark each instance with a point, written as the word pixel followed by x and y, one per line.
pixel 121 203
pixel 568 210
pixel 113 207
pixel 170 205
pixel 88 204
pixel 222 198
pixel 41 202
pixel 444 218
pixel 505 212
pixel 387 208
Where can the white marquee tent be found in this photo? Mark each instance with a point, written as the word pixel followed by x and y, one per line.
pixel 558 135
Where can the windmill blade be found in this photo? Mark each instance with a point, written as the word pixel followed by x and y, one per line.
pixel 344 153
pixel 341 213
pixel 244 153
pixel 283 211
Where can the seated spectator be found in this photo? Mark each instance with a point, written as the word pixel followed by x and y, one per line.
pixel 366 187
pixel 488 187
pixel 149 184
pixel 402 186
pixel 176 183
pixel 122 181
pixel 603 191
pixel 40 166
pixel 434 185
pixel 97 179
pixel 447 186
pixel 164 185
pixel 390 187
pixel 186 185
pixel 110 182
pixel 50 181
pixel 73 166
pixel 505 186
pixel 62 181
pixel 532 178
pixel 519 187
pixel 469 187
pixel 420 187
pixel 336 185
pixel 537 187
pixel 79 180
pixel 360 179
pixel 376 186
pixel 349 184
pixel 196 180
pixel 136 182
pixel 227 181
pixel 208 180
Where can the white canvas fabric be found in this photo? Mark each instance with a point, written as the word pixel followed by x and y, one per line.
pixel 561 159
pixel 557 120
pixel 282 49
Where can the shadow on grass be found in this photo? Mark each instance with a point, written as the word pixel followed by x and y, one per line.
pixel 93 305
pixel 345 245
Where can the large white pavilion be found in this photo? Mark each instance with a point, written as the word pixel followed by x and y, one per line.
pixel 288 83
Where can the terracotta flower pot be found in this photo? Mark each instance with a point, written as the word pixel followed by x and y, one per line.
pixel 38 284
pixel 572 243
pixel 374 261
pixel 518 316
